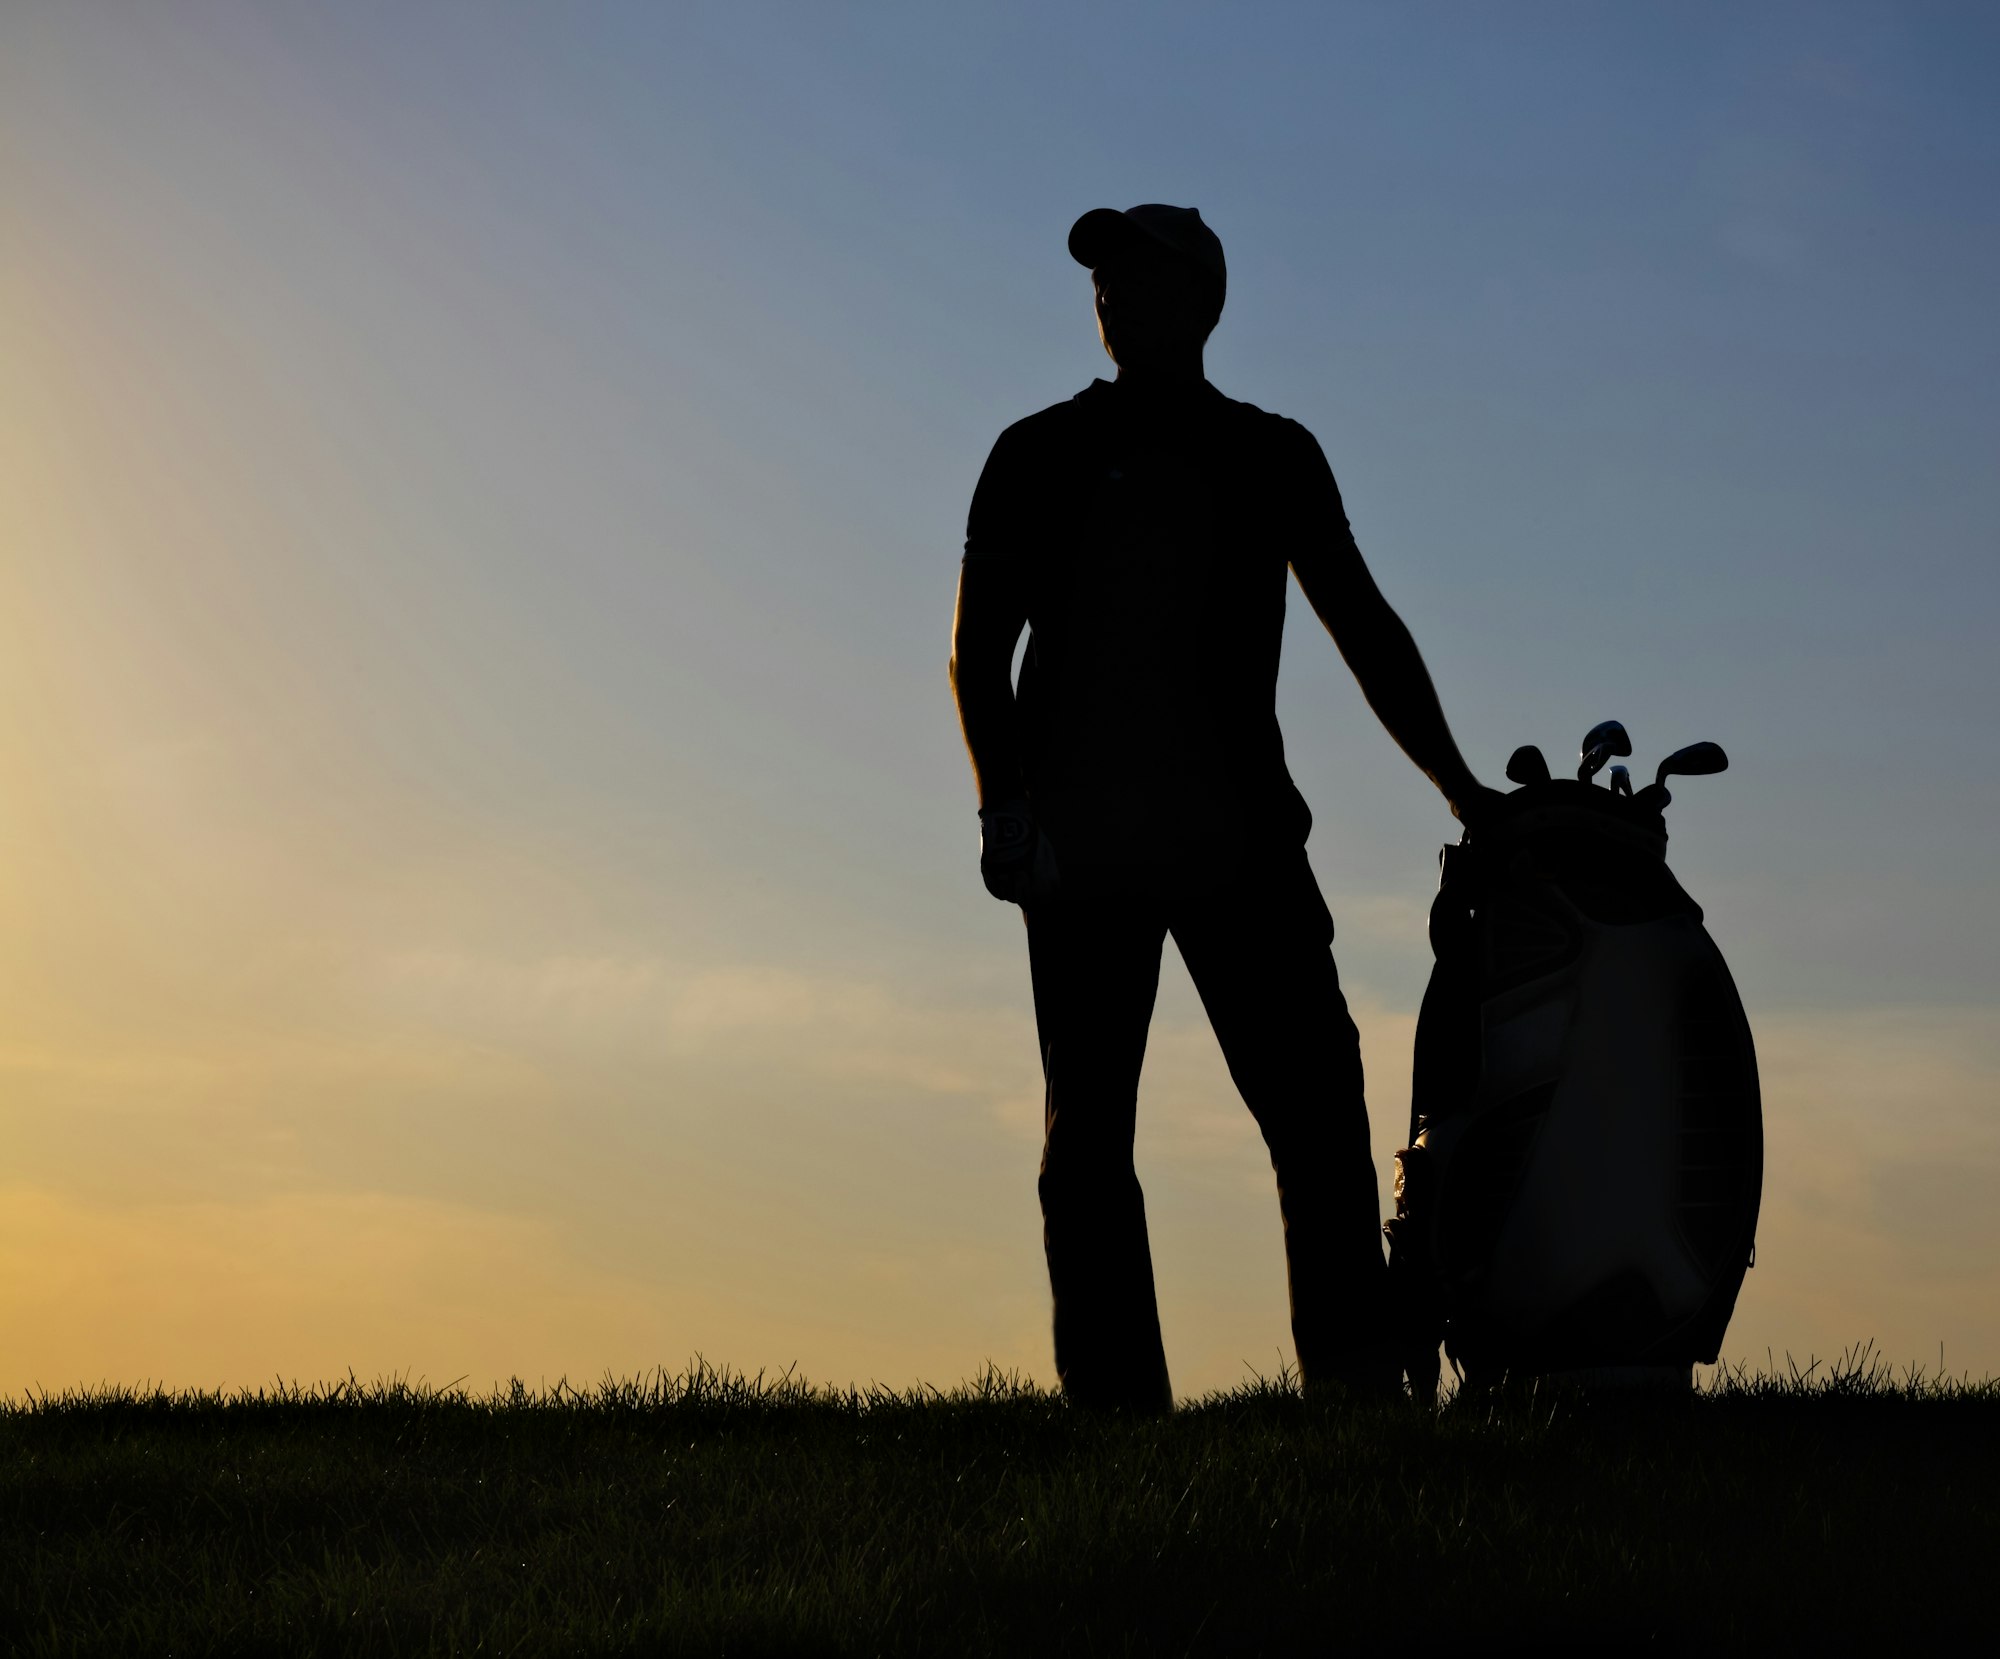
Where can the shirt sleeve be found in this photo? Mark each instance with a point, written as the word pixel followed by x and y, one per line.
pixel 999 524
pixel 1320 543
pixel 1316 504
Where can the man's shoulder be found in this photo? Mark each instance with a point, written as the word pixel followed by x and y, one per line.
pixel 1264 424
pixel 1028 459
pixel 1062 427
pixel 1058 423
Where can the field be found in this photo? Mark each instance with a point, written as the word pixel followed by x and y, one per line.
pixel 710 1513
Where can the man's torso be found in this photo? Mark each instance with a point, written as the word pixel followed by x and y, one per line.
pixel 1153 542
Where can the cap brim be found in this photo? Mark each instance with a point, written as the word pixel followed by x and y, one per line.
pixel 1102 232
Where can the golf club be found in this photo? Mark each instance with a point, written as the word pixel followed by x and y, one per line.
pixel 1621 781
pixel 1525 765
pixel 1696 760
pixel 1604 740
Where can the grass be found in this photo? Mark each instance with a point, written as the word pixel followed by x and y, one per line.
pixel 719 1514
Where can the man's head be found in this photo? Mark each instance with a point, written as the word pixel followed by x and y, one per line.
pixel 1160 281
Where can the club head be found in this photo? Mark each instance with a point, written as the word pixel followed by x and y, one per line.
pixel 1525 766
pixel 1607 735
pixel 1621 781
pixel 1696 760
pixel 1600 743
pixel 1653 798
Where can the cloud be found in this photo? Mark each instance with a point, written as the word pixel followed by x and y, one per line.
pixel 761 1020
pixel 457 987
pixel 851 1031
pixel 1882 1177
pixel 1837 80
pixel 309 1286
pixel 1392 919
pixel 305 1286
pixel 1765 192
pixel 834 1169
pixel 1882 1168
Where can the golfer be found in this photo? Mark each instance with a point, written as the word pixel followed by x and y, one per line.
pixel 1135 786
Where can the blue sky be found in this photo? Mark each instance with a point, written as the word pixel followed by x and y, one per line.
pixel 486 486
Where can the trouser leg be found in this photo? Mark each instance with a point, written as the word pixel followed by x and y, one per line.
pixel 1262 959
pixel 1096 968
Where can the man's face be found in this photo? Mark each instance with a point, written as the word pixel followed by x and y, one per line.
pixel 1151 308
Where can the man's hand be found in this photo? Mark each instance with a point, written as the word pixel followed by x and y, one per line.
pixel 1015 859
pixel 1473 803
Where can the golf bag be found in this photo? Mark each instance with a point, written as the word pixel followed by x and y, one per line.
pixel 1587 1151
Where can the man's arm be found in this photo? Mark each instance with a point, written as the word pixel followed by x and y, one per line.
pixel 984 630
pixel 1015 859
pixel 1378 648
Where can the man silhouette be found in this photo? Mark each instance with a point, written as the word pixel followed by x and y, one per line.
pixel 1136 786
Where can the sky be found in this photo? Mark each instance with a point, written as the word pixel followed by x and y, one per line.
pixel 487 865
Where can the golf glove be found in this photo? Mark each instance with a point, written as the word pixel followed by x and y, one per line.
pixel 1015 859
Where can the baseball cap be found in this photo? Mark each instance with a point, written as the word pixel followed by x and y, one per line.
pixel 1104 230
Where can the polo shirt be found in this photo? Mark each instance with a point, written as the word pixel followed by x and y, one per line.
pixel 1152 541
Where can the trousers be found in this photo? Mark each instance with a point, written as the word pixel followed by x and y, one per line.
pixel 1260 953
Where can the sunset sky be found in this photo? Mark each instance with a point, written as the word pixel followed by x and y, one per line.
pixel 487 865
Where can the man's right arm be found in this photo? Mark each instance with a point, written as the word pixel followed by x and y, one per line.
pixel 1015 859
pixel 992 610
